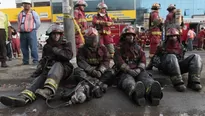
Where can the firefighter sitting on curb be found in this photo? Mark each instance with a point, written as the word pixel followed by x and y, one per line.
pixel 54 66
pixel 170 59
pixel 93 69
pixel 102 22
pixel 132 77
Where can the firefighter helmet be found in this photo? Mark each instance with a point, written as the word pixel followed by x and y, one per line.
pixel 128 30
pixel 91 32
pixel 81 3
pixel 171 7
pixel 156 6
pixel 102 5
pixel 91 37
pixel 172 32
pixel 55 28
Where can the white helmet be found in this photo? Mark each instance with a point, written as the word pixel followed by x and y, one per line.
pixel 102 5
pixel 26 1
pixel 81 3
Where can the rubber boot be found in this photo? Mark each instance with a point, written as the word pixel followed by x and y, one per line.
pixel 49 90
pixel 45 93
pixel 138 94
pixel 18 101
pixel 178 83
pixel 3 64
pixel 155 93
pixel 194 82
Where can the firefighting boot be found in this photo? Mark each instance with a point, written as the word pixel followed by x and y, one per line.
pixel 3 64
pixel 194 82
pixel 49 90
pixel 18 101
pixel 154 93
pixel 138 94
pixel 178 83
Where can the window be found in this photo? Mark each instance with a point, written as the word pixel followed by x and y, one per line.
pixel 92 5
pixel 38 4
pixel 18 5
pixel 186 12
pixel 57 8
pixel 112 5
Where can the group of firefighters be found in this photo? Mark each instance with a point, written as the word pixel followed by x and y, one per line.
pixel 94 75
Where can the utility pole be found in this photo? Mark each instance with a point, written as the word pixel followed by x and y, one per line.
pixel 69 29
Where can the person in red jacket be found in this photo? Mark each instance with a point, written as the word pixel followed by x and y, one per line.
pixel 200 37
pixel 170 18
pixel 155 28
pixel 79 16
pixel 15 43
pixel 102 22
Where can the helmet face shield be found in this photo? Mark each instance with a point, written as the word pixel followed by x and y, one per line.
pixel 91 37
pixel 92 41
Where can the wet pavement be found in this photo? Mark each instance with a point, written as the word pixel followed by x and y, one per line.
pixel 114 102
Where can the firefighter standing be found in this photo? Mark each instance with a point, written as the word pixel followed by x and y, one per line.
pixel 155 28
pixel 80 18
pixel 170 18
pixel 93 65
pixel 102 23
pixel 53 67
pixel 169 58
pixel 132 78
pixel 200 37
pixel 173 18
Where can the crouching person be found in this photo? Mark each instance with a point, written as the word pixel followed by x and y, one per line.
pixel 169 58
pixel 132 78
pixel 93 70
pixel 54 66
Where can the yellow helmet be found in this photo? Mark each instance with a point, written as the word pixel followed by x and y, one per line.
pixel 156 6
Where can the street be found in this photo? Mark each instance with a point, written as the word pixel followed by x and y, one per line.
pixel 114 103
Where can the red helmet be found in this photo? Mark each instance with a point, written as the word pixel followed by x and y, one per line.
pixel 171 7
pixel 81 3
pixel 102 5
pixel 172 32
pixel 128 30
pixel 91 37
pixel 91 32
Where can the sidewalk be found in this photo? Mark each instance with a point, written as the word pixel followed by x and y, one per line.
pixel 18 72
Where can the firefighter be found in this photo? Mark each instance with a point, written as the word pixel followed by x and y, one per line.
pixel 200 37
pixel 54 66
pixel 102 22
pixel 155 28
pixel 93 66
pixel 172 20
pixel 130 64
pixel 80 18
pixel 169 58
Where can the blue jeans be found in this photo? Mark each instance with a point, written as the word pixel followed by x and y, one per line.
pixel 190 44
pixel 29 40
